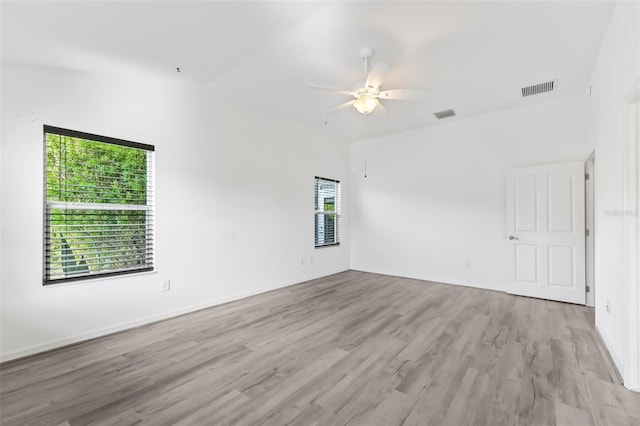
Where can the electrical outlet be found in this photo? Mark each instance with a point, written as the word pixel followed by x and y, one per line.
pixel 608 306
pixel 311 261
pixel 467 264
pixel 302 261
pixel 165 285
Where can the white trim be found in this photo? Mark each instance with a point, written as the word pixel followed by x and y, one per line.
pixel 604 345
pixel 437 280
pixel 617 362
pixel 590 225
pixel 631 312
pixel 79 338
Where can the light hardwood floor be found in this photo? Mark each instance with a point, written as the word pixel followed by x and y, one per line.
pixel 353 348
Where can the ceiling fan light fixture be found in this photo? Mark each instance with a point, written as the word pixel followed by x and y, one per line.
pixel 366 103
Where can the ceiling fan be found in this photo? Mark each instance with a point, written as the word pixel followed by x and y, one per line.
pixel 367 98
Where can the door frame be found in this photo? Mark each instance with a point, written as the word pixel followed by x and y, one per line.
pixel 589 210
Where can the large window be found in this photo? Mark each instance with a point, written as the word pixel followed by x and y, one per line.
pixel 98 218
pixel 327 212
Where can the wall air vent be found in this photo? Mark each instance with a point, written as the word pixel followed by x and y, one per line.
pixel 444 114
pixel 536 89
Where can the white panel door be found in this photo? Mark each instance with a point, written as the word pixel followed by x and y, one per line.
pixel 546 232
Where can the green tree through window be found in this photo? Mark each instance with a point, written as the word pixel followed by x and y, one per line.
pixel 99 206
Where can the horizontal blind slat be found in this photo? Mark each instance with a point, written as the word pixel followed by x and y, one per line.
pixel 126 259
pixel 95 206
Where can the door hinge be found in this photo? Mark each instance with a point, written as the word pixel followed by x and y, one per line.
pixel 588 289
pixel 586 176
pixel 586 232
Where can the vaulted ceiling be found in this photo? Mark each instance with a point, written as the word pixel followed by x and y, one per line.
pixel 473 56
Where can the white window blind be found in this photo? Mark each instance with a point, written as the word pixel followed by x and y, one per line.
pixel 98 218
pixel 327 212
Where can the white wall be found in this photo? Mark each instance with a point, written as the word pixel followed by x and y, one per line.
pixel 433 203
pixel 234 203
pixel 614 73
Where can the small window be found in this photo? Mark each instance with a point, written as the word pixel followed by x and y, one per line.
pixel 98 215
pixel 327 212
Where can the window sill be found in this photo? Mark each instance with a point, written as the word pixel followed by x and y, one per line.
pixel 328 245
pixel 88 280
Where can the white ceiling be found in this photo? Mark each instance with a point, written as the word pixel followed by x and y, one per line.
pixel 473 56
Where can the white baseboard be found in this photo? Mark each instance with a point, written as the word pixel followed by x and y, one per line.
pixel 66 341
pixel 437 280
pixel 617 362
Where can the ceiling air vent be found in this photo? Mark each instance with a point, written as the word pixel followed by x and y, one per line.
pixel 444 114
pixel 536 89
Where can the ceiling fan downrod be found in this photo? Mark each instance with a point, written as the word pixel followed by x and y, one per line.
pixel 366 53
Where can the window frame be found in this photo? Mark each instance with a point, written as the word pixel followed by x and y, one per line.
pixel 47 129
pixel 336 213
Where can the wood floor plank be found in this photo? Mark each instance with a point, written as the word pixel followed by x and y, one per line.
pixel 353 348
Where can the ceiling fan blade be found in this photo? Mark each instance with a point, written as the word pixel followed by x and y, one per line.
pixel 380 109
pixel 377 74
pixel 339 107
pixel 331 89
pixel 401 94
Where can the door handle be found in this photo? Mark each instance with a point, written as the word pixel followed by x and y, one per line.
pixel 511 237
